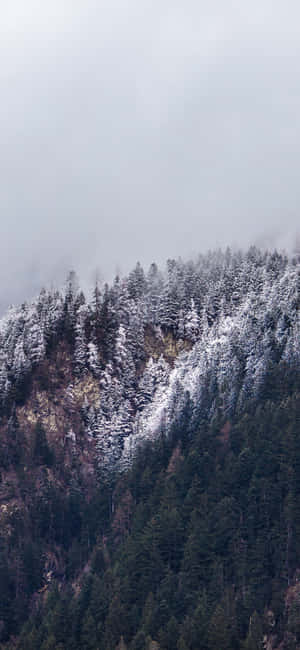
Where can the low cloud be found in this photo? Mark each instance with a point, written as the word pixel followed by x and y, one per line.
pixel 142 132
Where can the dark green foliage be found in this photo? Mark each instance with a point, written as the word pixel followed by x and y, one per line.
pixel 42 453
pixel 195 545
pixel 213 543
pixel 13 449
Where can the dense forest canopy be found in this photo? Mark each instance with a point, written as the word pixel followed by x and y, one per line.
pixel 150 458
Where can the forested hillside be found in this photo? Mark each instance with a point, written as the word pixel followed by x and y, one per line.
pixel 150 460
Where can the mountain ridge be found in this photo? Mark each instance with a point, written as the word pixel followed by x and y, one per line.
pixel 88 387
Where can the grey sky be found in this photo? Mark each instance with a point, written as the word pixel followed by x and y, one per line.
pixel 144 130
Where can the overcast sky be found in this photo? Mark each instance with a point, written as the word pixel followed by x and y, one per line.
pixel 141 130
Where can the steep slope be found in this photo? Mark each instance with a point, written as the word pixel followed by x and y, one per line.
pixel 86 385
pixel 213 327
pixel 203 547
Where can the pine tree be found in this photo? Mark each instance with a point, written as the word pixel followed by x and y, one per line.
pixel 255 639
pixel 80 350
pixel 41 450
pixel 191 323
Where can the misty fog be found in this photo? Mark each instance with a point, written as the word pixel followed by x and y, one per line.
pixel 143 130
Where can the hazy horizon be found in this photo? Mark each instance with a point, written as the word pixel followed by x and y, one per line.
pixel 143 132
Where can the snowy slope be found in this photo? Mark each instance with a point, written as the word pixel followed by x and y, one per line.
pixel 205 332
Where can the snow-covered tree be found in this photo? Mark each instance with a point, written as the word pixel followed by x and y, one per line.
pixel 191 323
pixel 80 349
pixel 93 359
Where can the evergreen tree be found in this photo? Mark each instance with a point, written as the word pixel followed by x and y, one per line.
pixel 41 450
